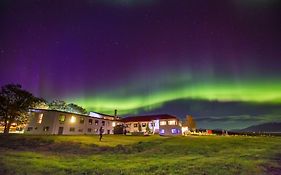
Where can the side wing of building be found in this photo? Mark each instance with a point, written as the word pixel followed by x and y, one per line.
pixel 43 121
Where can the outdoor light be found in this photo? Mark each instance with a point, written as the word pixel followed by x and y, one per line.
pixel 72 119
pixel 40 117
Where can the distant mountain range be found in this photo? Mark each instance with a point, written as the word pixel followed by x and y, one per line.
pixel 265 127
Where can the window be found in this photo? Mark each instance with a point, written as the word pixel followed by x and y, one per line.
pixel 29 128
pixel 89 130
pixel 152 124
pixel 162 131
pixel 72 119
pixel 35 128
pixel 72 129
pixel 103 123
pixel 143 124
pixel 90 121
pixel 174 131
pixel 61 119
pixel 135 125
pixel 81 120
pixel 163 122
pixel 96 122
pixel 40 117
pixel 46 128
pixel 96 130
pixel 80 130
pixel 171 122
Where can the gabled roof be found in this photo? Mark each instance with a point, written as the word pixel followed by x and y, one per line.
pixel 147 117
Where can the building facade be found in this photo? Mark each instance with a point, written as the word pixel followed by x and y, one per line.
pixel 44 121
pixel 162 124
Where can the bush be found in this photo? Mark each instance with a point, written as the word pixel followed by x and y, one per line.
pixel 137 133
pixel 118 129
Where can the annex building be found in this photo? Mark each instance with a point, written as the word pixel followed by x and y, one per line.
pixel 163 124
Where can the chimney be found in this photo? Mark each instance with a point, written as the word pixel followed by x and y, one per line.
pixel 115 113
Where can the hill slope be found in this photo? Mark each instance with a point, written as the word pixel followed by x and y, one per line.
pixel 265 127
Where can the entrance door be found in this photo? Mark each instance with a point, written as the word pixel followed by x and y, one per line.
pixel 108 131
pixel 60 131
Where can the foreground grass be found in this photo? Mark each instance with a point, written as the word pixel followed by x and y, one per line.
pixel 20 154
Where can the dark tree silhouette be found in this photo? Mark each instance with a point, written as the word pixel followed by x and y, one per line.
pixel 63 106
pixel 58 105
pixel 76 109
pixel 14 105
pixel 139 127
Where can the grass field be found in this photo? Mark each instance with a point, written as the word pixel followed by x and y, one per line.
pixel 23 154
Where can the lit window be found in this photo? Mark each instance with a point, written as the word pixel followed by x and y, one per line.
pixel 90 121
pixel 103 123
pixel 163 122
pixel 40 117
pixel 46 128
pixel 71 129
pixel 72 119
pixel 172 122
pixel 162 131
pixel 174 131
pixel 135 125
pixel 143 124
pixel 81 120
pixel 96 122
pixel 152 124
pixel 62 119
pixel 113 124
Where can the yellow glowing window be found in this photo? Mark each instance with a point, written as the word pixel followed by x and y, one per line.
pixel 40 118
pixel 172 122
pixel 163 122
pixel 113 124
pixel 72 119
pixel 61 119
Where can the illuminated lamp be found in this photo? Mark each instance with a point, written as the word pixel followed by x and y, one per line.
pixel 72 119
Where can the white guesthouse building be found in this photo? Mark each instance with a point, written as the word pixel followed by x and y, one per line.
pixel 45 121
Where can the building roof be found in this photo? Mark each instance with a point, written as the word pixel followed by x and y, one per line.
pixel 84 115
pixel 147 117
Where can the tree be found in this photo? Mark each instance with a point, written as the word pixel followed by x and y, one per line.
pixel 147 128
pixel 191 124
pixel 58 105
pixel 76 109
pixel 139 127
pixel 14 105
pixel 63 106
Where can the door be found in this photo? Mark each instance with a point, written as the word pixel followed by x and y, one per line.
pixel 60 131
pixel 108 131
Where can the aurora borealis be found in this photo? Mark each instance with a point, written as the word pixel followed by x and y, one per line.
pixel 179 57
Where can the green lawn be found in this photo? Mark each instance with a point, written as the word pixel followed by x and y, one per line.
pixel 23 154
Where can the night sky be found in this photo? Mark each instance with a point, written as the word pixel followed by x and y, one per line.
pixel 217 60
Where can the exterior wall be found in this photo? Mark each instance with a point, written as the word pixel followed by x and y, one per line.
pixel 168 128
pixel 51 123
pixel 34 127
pixel 133 126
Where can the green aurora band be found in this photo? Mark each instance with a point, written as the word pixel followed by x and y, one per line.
pixel 266 91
